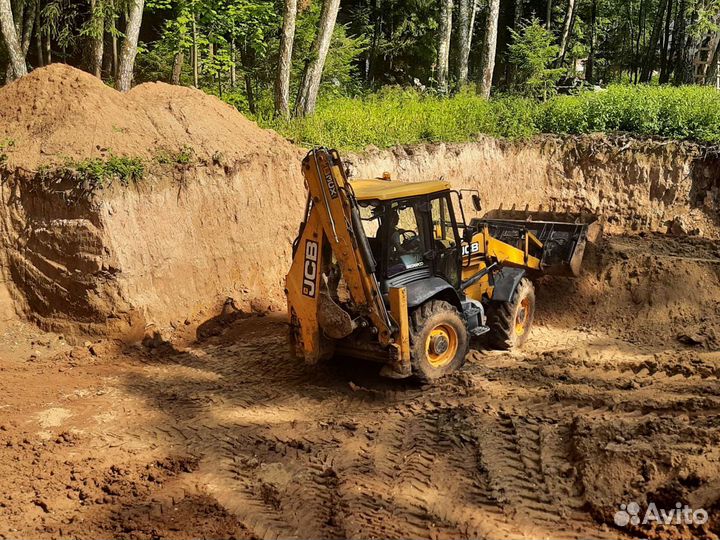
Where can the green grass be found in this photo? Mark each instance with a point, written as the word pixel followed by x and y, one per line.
pixel 395 116
pixel 100 173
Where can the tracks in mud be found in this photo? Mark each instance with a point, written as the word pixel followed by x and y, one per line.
pixel 494 451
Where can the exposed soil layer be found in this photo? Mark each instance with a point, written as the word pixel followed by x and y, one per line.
pixel 227 435
pixel 632 184
pixel 214 216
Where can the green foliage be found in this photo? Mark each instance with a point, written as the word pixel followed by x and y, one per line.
pixel 395 116
pixel 184 156
pixel 682 113
pixel 531 53
pixel 100 173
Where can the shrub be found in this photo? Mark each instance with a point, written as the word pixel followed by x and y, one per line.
pixel 399 116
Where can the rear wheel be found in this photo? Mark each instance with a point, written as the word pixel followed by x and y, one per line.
pixel 438 340
pixel 510 322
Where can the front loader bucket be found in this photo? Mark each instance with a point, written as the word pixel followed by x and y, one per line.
pixel 563 235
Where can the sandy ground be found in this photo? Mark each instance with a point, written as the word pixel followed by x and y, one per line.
pixel 226 436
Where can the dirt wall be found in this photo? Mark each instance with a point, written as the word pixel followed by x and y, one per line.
pixel 632 184
pixel 171 248
pixel 219 223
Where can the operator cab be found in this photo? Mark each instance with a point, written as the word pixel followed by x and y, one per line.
pixel 412 231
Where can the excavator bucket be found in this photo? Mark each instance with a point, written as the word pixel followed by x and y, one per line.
pixel 563 235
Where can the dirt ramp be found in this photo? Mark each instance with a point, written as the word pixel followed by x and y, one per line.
pixel 213 215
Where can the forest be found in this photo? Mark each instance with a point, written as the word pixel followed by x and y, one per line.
pixel 280 59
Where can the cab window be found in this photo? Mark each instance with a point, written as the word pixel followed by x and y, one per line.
pixel 405 238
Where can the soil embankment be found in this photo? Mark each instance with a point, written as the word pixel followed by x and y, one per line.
pixel 634 185
pixel 215 212
pixel 213 216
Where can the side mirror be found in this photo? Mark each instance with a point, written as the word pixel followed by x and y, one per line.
pixel 477 205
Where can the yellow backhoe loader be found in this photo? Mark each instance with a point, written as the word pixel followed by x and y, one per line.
pixel 392 272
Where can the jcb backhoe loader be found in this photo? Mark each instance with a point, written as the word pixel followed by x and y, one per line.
pixel 392 272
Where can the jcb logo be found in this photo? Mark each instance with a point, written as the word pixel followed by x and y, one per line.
pixel 310 269
pixel 471 249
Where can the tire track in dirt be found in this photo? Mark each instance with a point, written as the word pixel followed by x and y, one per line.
pixel 330 451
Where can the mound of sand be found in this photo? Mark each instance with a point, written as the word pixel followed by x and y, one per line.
pixel 649 289
pixel 59 112
pixel 183 241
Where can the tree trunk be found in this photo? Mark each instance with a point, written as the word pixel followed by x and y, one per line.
pixel 518 15
pixel 38 40
pixel 444 35
pixel 679 38
pixel 178 62
pixel 129 48
pixel 114 39
pixel 48 49
pixel 638 39
pixel 98 40
pixel 282 81
pixel 548 15
pixel 12 42
pixel 233 73
pixel 195 51
pixel 466 19
pixel 312 77
pixel 651 54
pixel 567 31
pixel 713 60
pixel 489 48
pixel 590 66
pixel 28 25
pixel 371 66
pixel 664 61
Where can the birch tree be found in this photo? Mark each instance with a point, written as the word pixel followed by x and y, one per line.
pixel 287 37
pixel 443 60
pixel 130 46
pixel 18 68
pixel 489 48
pixel 312 76
pixel 566 31
pixel 96 32
pixel 466 22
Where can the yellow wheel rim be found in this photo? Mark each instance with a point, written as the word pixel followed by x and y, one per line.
pixel 441 345
pixel 522 317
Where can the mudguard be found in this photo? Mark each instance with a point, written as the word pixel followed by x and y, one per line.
pixel 506 281
pixel 419 292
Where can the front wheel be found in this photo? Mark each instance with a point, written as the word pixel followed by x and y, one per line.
pixel 510 322
pixel 438 340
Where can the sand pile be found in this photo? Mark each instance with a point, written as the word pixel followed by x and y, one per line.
pixel 185 238
pixel 646 289
pixel 59 112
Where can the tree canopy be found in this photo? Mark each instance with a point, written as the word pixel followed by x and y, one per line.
pixel 232 47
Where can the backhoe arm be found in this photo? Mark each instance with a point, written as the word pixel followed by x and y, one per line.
pixel 332 230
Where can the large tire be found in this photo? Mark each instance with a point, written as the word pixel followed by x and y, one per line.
pixel 510 322
pixel 439 340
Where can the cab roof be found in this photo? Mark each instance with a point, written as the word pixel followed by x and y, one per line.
pixel 388 190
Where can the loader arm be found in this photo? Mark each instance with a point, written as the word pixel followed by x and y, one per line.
pixel 331 232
